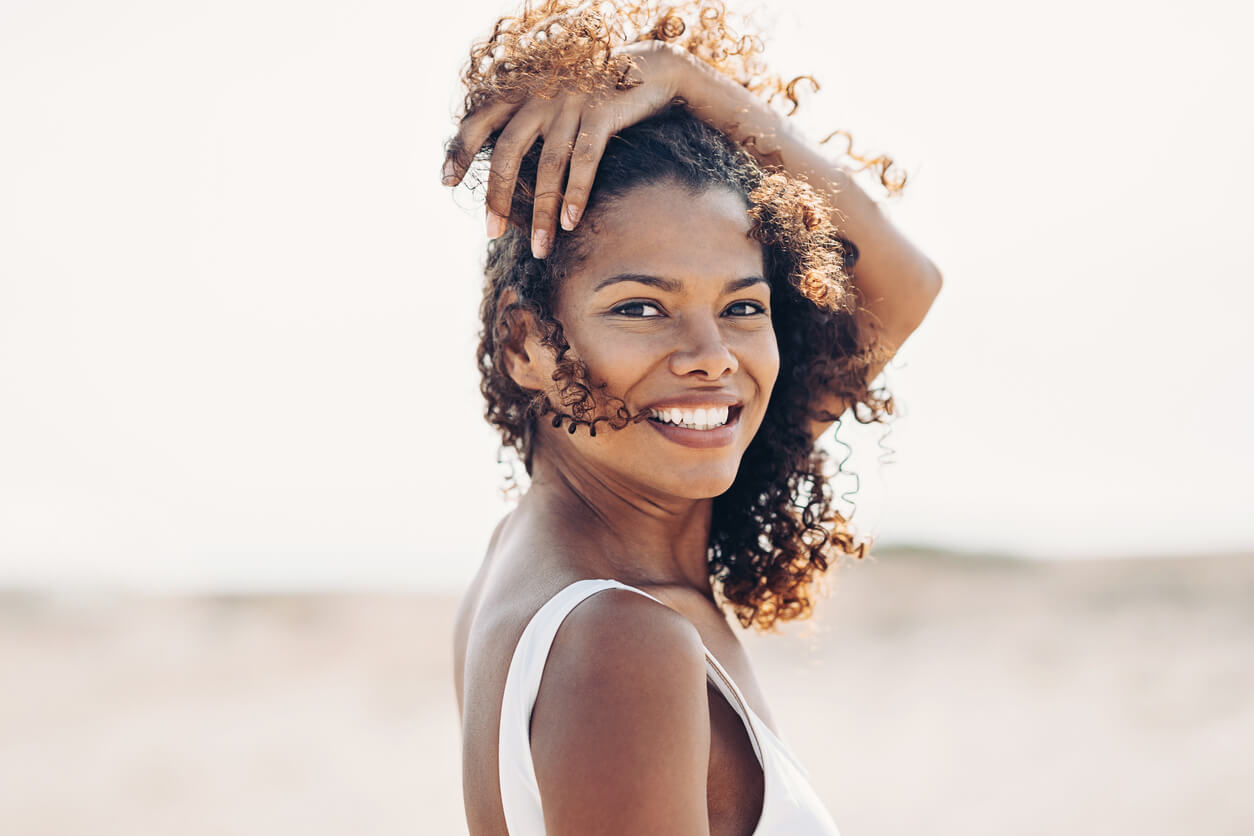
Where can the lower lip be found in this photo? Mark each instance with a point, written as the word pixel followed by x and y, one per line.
pixel 717 437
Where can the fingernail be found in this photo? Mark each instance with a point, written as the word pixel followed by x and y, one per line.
pixel 540 243
pixel 496 225
pixel 449 177
pixel 570 217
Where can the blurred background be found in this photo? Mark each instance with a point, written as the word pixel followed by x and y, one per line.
pixel 244 475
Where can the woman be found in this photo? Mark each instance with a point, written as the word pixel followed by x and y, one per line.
pixel 671 318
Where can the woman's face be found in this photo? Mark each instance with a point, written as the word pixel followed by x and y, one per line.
pixel 671 309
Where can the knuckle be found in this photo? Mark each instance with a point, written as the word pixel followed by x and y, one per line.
pixel 505 157
pixel 500 194
pixel 546 198
pixel 498 191
pixel 586 153
pixel 552 160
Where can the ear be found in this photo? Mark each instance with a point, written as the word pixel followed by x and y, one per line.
pixel 527 360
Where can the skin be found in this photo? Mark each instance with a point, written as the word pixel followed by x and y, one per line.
pixel 692 322
pixel 896 281
pixel 624 690
pixel 624 721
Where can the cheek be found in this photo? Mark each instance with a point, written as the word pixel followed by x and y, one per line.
pixel 588 345
pixel 617 364
pixel 764 362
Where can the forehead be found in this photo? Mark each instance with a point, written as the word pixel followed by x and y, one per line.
pixel 666 230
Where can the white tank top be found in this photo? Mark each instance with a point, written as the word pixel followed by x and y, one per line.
pixel 790 806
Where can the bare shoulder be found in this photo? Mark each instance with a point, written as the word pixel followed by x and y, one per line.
pixel 466 608
pixel 620 734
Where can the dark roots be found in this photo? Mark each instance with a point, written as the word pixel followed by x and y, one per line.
pixel 775 531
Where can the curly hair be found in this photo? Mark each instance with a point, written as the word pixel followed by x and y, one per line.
pixel 775 531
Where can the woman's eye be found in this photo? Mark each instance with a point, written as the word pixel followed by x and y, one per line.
pixel 641 310
pixel 746 309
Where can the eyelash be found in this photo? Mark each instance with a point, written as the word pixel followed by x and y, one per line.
pixel 757 309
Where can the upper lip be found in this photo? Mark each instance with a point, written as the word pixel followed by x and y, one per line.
pixel 693 400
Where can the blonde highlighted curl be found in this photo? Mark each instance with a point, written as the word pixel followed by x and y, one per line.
pixel 776 531
pixel 559 45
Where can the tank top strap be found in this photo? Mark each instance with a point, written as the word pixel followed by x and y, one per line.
pixel 520 791
pixel 721 679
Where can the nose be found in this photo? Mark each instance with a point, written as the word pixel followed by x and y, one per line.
pixel 703 351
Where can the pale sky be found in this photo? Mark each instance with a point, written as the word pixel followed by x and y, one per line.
pixel 238 311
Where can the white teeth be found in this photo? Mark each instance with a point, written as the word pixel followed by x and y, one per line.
pixel 694 419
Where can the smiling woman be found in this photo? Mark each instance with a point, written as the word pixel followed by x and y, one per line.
pixel 669 307
pixel 663 364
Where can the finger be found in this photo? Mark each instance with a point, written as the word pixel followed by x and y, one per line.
pixel 559 141
pixel 586 155
pixel 513 143
pixel 473 131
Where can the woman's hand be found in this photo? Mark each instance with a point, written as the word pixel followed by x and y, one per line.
pixel 575 127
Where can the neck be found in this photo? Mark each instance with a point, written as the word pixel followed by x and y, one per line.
pixel 618 531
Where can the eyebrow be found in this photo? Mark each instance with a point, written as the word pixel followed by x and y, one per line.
pixel 672 286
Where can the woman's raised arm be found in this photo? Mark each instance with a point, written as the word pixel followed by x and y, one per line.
pixel 896 281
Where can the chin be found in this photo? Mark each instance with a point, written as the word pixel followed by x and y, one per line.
pixel 706 483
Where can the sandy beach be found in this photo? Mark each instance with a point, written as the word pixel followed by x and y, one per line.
pixel 931 693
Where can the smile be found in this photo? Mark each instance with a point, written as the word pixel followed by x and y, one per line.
pixel 701 427
pixel 704 418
